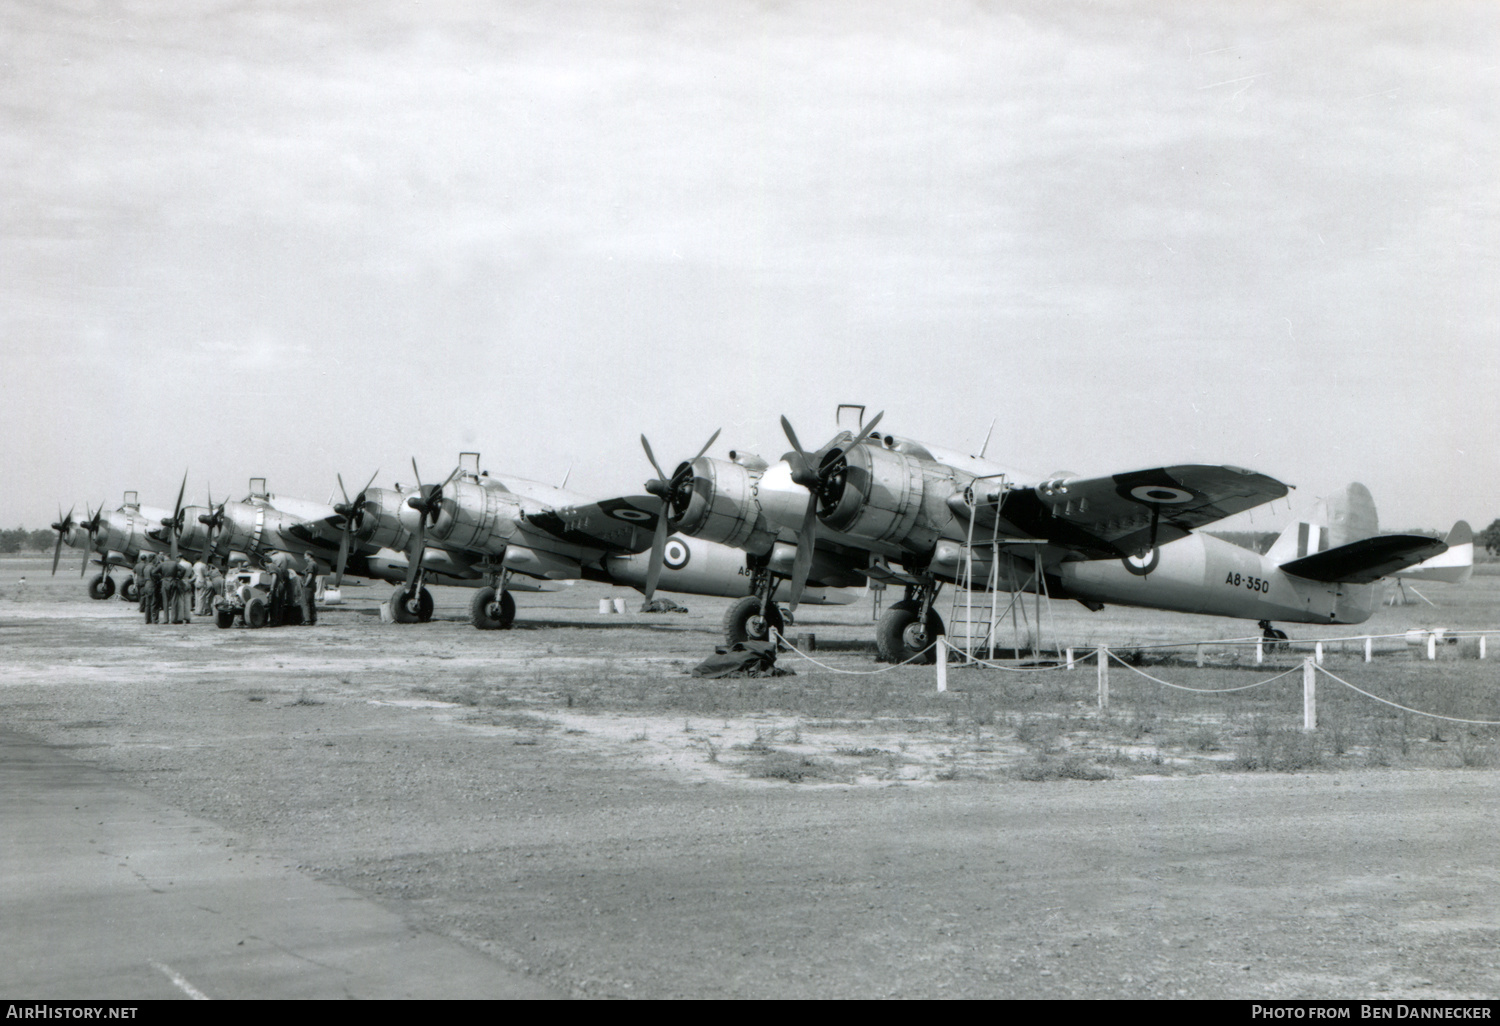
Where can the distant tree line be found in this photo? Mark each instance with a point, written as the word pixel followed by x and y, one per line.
pixel 19 538
pixel 1490 538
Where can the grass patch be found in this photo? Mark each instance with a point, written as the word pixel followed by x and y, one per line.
pixel 794 769
pixel 1072 767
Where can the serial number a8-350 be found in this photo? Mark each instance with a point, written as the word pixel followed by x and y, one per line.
pixel 1253 583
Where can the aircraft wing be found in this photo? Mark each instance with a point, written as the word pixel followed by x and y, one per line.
pixel 1108 517
pixel 1366 560
pixel 618 525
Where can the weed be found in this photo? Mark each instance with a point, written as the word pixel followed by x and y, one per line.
pixel 1204 739
pixel 640 737
pixel 713 751
pixel 1472 754
pixel 785 766
pixel 1071 768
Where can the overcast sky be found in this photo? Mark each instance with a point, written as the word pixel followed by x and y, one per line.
pixel 294 239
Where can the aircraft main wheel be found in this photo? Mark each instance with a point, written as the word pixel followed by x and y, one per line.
pixel 224 617
pixel 256 612
pixel 490 613
pixel 899 636
pixel 743 622
pixel 127 590
pixel 405 609
pixel 101 587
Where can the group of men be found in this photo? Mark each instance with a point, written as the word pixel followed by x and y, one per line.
pixel 171 591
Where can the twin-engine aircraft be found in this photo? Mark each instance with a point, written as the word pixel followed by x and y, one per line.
pixel 110 538
pixel 500 533
pixel 894 510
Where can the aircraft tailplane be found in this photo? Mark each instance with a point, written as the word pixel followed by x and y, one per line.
pixel 1367 560
pixel 1452 567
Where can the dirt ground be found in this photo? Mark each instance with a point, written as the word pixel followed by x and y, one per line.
pixel 565 800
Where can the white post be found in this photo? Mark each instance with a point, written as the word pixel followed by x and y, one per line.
pixel 1260 651
pixel 606 606
pixel 1070 655
pixel 1198 655
pixel 942 663
pixel 1369 648
pixel 1318 652
pixel 1309 696
pixel 1481 646
pixel 1432 644
pixel 1103 656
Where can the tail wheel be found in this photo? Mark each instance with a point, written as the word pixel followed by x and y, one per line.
pixel 257 614
pixel 406 609
pixel 101 587
pixel 743 622
pixel 899 637
pixel 492 612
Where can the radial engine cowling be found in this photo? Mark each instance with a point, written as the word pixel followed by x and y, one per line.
pixel 714 500
pixel 881 495
pixel 473 517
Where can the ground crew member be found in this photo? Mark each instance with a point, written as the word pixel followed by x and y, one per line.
pixel 309 589
pixel 200 588
pixel 154 588
pixel 142 580
pixel 171 590
pixel 184 611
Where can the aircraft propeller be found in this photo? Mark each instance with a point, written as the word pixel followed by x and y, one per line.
pixel 669 491
pixel 174 525
pixel 814 479
pixel 428 502
pixel 213 520
pixel 63 525
pixel 90 528
pixel 353 514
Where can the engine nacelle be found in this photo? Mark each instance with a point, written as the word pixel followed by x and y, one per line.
pixel 474 518
pixel 885 495
pixel 721 506
pixel 379 519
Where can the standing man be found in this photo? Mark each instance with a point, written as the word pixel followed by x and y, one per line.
pixel 154 588
pixel 309 589
pixel 142 573
pixel 200 588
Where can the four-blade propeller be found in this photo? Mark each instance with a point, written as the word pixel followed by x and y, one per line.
pixel 62 526
pixel 673 493
pixel 428 502
pixel 814 475
pixel 353 514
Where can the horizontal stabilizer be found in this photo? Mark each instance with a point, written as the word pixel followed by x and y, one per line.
pixel 1366 560
pixel 1452 567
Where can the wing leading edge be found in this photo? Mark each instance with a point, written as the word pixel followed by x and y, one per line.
pixel 1126 514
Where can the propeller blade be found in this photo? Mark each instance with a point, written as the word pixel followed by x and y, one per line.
pixel 414 554
pixel 90 526
pixel 711 439
pixel 652 457
pixel 803 475
pixel 341 487
pixel 338 576
pixel 658 552
pixel 807 540
pixel 866 429
pixel 791 436
pixel 63 525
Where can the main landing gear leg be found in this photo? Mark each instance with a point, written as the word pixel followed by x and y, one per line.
pixel 492 608
pixel 753 617
pixel 908 630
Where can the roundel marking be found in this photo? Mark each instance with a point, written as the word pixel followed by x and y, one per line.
pixel 676 554
pixel 1160 494
pixel 630 513
pixel 1142 565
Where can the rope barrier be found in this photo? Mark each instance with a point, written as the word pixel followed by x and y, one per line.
pixel 1395 705
pixel 1201 691
pixel 976 661
pixel 780 639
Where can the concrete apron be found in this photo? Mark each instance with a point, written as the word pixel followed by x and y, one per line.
pixel 107 893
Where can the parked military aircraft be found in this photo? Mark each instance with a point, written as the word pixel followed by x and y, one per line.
pixel 496 532
pixel 902 512
pixel 110 538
